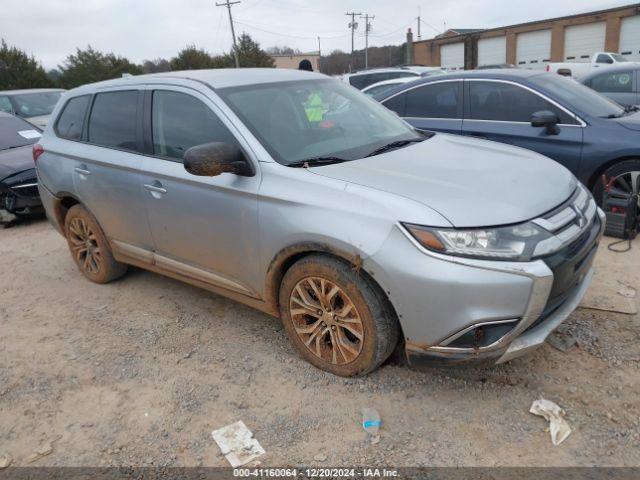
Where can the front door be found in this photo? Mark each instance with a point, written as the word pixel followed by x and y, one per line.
pixel 202 227
pixel 501 111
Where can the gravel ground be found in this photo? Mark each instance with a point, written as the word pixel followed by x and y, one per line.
pixel 140 371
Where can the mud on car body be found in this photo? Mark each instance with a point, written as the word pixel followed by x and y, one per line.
pixel 300 196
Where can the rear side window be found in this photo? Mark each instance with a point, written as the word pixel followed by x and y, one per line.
pixel 438 100
pixel 397 104
pixel 113 120
pixel 613 82
pixel 71 120
pixel 180 121
pixel 508 103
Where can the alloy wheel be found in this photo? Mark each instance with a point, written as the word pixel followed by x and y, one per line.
pixel 628 182
pixel 326 320
pixel 84 245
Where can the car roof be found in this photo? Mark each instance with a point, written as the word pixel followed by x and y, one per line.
pixel 383 70
pixel 392 82
pixel 215 78
pixel 621 67
pixel 30 90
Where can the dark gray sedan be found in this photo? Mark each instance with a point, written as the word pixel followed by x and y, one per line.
pixel 620 84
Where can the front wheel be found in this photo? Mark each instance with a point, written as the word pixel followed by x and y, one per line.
pixel 336 318
pixel 627 179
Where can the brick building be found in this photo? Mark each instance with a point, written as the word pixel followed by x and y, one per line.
pixel 534 44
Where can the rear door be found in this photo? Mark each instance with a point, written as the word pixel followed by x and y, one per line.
pixel 436 106
pixel 501 111
pixel 106 165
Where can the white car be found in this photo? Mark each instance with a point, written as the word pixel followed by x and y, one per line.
pixel 361 80
pixel 579 68
pixel 380 87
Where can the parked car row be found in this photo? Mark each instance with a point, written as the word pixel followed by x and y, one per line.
pixel 298 195
pixel 557 117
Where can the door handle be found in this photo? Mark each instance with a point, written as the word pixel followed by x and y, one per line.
pixel 155 188
pixel 82 171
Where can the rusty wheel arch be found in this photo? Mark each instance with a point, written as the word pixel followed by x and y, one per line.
pixel 290 255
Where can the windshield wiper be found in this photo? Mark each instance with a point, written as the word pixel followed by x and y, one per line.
pixel 396 144
pixel 316 162
pixel 631 108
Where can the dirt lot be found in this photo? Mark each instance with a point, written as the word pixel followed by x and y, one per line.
pixel 139 372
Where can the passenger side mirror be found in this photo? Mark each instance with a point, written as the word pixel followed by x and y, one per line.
pixel 565 72
pixel 547 119
pixel 213 159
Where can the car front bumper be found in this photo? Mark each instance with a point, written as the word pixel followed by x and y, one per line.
pixel 19 193
pixel 438 298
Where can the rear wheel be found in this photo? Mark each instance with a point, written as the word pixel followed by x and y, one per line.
pixel 627 179
pixel 89 247
pixel 335 317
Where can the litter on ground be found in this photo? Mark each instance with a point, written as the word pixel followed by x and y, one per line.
pixel 558 426
pixel 237 444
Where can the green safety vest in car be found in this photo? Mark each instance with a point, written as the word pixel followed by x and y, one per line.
pixel 314 108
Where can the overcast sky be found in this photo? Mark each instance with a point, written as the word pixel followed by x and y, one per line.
pixel 148 29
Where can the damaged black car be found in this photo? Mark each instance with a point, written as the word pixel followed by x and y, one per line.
pixel 18 181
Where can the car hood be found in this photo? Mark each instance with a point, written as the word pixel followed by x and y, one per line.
pixel 632 122
pixel 15 160
pixel 40 121
pixel 472 183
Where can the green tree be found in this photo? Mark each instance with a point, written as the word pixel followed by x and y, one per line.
pixel 250 54
pixel 90 65
pixel 192 58
pixel 155 66
pixel 19 70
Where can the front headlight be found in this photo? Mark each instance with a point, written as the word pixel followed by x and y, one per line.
pixel 517 242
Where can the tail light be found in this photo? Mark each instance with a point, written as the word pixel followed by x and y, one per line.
pixel 548 68
pixel 37 151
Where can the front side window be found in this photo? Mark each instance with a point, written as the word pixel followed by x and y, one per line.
pixel 180 121
pixel 506 102
pixel 308 119
pixel 437 100
pixel 113 120
pixel 602 58
pixel 36 104
pixel 5 104
pixel 613 82
pixel 71 121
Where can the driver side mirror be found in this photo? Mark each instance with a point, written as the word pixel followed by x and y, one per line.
pixel 213 159
pixel 546 119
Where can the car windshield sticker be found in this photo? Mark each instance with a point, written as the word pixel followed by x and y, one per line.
pixel 29 133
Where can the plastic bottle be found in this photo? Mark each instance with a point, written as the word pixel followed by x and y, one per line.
pixel 371 420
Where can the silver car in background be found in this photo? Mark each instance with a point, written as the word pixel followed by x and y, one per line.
pixel 33 104
pixel 300 196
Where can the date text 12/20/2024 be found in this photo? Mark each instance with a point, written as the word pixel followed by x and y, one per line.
pixel 316 472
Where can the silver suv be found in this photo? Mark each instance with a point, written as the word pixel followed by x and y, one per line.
pixel 298 195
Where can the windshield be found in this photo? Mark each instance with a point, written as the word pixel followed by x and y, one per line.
pixel 578 96
pixel 309 119
pixel 15 132
pixel 35 104
pixel 618 58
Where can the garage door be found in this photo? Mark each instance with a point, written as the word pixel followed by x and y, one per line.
pixel 582 41
pixel 492 51
pixel 452 56
pixel 533 49
pixel 630 38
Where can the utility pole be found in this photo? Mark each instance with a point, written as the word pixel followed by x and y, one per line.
pixel 353 25
pixel 233 32
pixel 367 29
pixel 419 21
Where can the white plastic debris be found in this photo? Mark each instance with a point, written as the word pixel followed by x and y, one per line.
pixel 558 426
pixel 237 444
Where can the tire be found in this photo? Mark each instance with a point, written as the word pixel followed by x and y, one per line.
pixel 349 333
pixel 622 169
pixel 89 247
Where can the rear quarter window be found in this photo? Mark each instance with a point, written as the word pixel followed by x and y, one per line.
pixel 71 120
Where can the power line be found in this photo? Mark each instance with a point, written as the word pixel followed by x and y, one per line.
pixel 233 32
pixel 280 34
